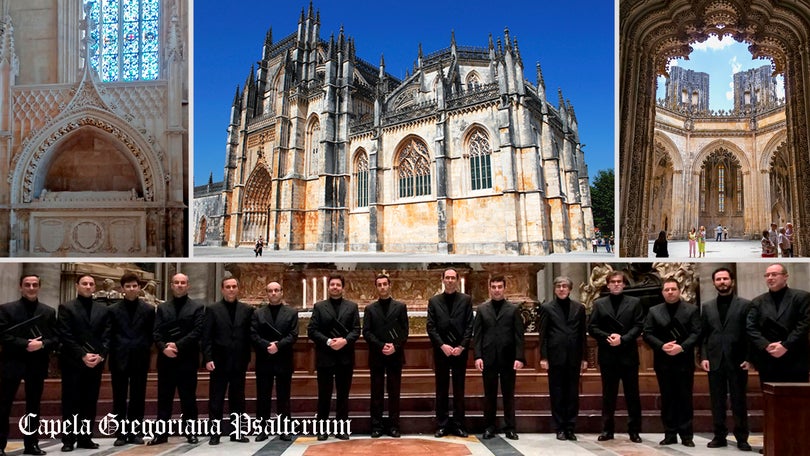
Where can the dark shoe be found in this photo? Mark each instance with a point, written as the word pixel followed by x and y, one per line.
pixel 120 441
pixel 394 432
pixel 285 437
pixel 635 438
pixel 441 432
pixel 717 442
pixel 135 440
pixel 743 446
pixel 605 436
pixel 214 440
pixel 342 436
pixel 158 440
pixel 376 434
pixel 192 439
pixel 669 440
pixel 262 437
pixel 67 447
pixel 242 439
pixel 561 435
pixel 569 435
pixel 512 435
pixel 33 449
pixel 688 443
pixel 322 437
pixel 488 434
pixel 87 445
pixel 461 432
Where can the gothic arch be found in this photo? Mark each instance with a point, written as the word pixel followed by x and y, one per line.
pixel 669 145
pixel 653 32
pixel 413 169
pixel 360 175
pixel 770 149
pixel 713 146
pixel 43 148
pixel 473 80
pixel 312 146
pixel 477 150
pixel 256 203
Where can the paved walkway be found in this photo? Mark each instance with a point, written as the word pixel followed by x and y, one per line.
pixel 731 249
pixel 529 444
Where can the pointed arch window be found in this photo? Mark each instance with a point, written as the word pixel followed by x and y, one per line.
pixel 702 190
pixel 312 147
pixel 479 150
pixel 721 188
pixel 473 81
pixel 361 179
pixel 413 170
pixel 124 40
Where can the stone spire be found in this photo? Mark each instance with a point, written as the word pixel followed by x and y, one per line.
pixel 540 81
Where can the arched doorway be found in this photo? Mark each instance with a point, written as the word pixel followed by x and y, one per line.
pixel 256 206
pixel 721 192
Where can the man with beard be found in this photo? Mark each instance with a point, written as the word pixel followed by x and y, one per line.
pixel 498 329
pixel 130 351
pixel 449 326
pixel 226 352
pixel 274 330
pixel 178 328
pixel 385 328
pixel 334 328
pixel 724 353
pixel 562 353
pixel 672 330
pixel 616 322
pixel 84 326
pixel 27 338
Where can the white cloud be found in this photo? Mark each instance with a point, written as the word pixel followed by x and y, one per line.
pixel 714 44
pixel 735 68
pixel 673 63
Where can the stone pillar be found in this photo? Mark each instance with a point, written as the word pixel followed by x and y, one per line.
pixel 10 278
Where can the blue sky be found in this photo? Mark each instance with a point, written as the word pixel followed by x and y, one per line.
pixel 721 59
pixel 228 38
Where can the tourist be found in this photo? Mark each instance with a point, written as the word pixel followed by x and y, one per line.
pixel 768 247
pixel 789 233
pixel 701 241
pixel 719 233
pixel 660 245
pixel 692 242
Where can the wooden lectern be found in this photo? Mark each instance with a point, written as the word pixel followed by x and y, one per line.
pixel 787 418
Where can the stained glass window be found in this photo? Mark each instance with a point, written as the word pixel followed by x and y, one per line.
pixel 414 170
pixel 361 179
pixel 480 168
pixel 124 39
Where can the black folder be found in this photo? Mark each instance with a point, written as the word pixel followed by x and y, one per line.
pixel 338 330
pixel 613 325
pixel 773 331
pixel 451 337
pixel 673 331
pixel 269 332
pixel 170 331
pixel 26 329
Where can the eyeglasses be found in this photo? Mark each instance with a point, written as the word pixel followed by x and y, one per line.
pixel 773 274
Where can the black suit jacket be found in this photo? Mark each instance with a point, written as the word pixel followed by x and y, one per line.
pixel 380 328
pixel 188 328
pixel 498 338
pixel 81 334
pixel 794 316
pixel 286 323
pixel 627 321
pixel 444 326
pixel 724 340
pixel 227 343
pixel 131 342
pixel 320 327
pixel 14 358
pixel 562 337
pixel 656 335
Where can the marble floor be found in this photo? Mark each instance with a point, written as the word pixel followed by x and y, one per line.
pixel 420 445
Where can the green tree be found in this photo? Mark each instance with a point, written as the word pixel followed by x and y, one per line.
pixel 603 201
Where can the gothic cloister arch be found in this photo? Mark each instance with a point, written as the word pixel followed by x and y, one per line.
pixel 654 31
pixel 661 187
pixel 256 204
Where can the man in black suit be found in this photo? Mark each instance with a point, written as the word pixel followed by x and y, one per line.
pixel 449 326
pixel 385 328
pixel 724 354
pixel 274 330
pixel 498 329
pixel 562 353
pixel 334 328
pixel 130 351
pixel 226 352
pixel 672 329
pixel 27 336
pixel 778 325
pixel 178 328
pixel 84 326
pixel 616 322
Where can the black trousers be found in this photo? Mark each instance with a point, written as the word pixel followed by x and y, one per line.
pixel 731 381
pixel 675 385
pixel 129 383
pixel 341 377
pixel 444 365
pixel 180 377
pixel 80 388
pixel 265 378
pixel 612 374
pixel 563 390
pixel 9 384
pixel 220 381
pixel 507 378
pixel 393 371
